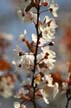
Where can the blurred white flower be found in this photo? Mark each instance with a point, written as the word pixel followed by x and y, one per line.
pixel 7 85
pixel 27 16
pixel 53 8
pixel 5 41
pixel 7 93
pixel 16 105
pixel 49 92
pixel 19 105
pixel 5 36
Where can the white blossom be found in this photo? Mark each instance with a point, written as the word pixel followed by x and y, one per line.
pixel 49 57
pixel 16 105
pixel 47 31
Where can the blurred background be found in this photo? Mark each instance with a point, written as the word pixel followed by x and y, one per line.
pixel 10 24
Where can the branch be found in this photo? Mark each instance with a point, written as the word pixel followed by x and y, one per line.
pixel 35 56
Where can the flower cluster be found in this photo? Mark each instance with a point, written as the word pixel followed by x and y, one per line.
pixel 39 59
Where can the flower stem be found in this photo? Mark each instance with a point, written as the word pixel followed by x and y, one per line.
pixel 35 55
